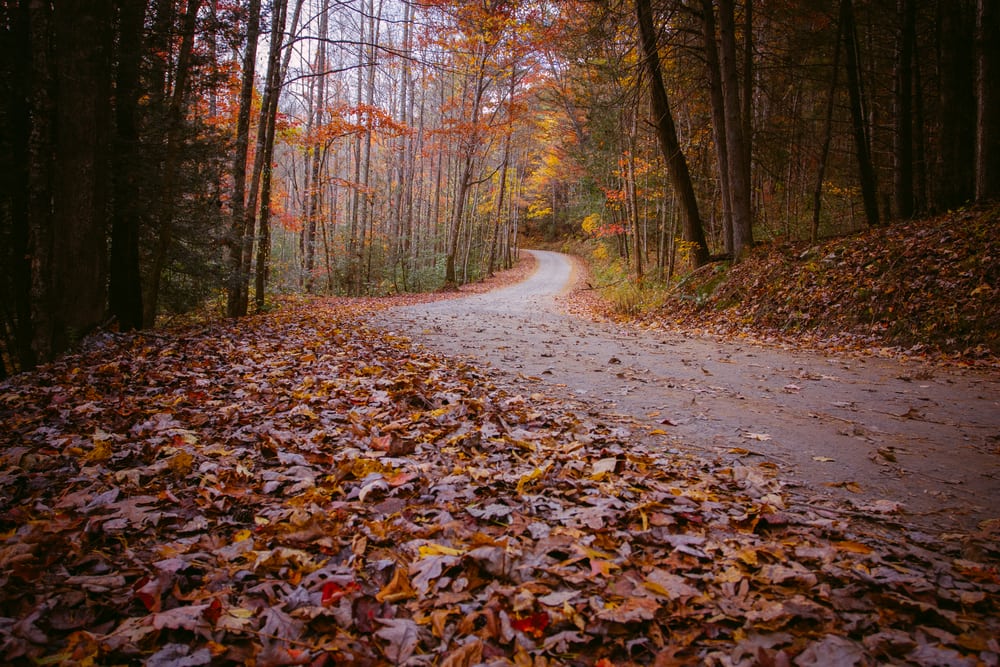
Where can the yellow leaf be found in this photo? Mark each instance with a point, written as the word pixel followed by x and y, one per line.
pixel 181 463
pixel 593 553
pixel 439 550
pixel 823 459
pixel 748 556
pixel 853 547
pixel 397 589
pixel 100 452
pixel 530 477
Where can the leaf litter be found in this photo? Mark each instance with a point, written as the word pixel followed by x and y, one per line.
pixel 298 488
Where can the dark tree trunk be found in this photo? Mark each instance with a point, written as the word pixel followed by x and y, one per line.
pixel 736 141
pixel 263 149
pixel 125 291
pixel 718 119
pixel 81 169
pixel 315 189
pixel 903 139
pixel 236 305
pixel 17 132
pixel 957 105
pixel 827 135
pixel 666 131
pixel 264 221
pixel 40 176
pixel 862 144
pixel 172 150
pixel 988 103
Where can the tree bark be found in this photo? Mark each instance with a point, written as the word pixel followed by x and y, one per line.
pixel 81 169
pixel 315 185
pixel 718 120
pixel 988 103
pixel 827 134
pixel 862 143
pixel 736 142
pixel 263 150
pixel 125 283
pixel 172 151
pixel 666 131
pixel 955 162
pixel 236 304
pixel 17 169
pixel 903 99
pixel 262 274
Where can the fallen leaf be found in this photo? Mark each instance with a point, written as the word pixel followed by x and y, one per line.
pixel 401 636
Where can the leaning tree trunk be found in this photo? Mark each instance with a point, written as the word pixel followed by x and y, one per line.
pixel 666 131
pixel 862 144
pixel 827 134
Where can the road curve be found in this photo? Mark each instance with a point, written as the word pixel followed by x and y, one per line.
pixel 868 433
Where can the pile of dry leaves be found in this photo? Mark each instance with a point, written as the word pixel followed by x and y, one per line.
pixel 925 288
pixel 300 489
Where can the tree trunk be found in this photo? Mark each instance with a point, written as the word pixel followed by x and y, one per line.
pixel 81 174
pixel 125 285
pixel 40 87
pixel 16 169
pixel 171 156
pixel 263 150
pixel 827 133
pixel 988 103
pixel 903 98
pixel 236 304
pixel 956 176
pixel 666 131
pixel 736 142
pixel 465 179
pixel 718 120
pixel 264 217
pixel 862 143
pixel 318 104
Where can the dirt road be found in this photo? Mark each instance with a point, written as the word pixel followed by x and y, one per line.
pixel 903 442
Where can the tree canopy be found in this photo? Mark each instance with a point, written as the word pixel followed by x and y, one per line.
pixel 196 152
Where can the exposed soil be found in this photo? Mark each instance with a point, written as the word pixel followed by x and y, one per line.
pixel 896 440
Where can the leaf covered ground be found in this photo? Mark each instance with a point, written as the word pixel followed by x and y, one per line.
pixel 927 288
pixel 297 488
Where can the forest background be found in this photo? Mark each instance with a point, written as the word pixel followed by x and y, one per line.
pixel 160 155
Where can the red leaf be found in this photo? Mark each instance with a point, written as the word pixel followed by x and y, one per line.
pixel 533 625
pixel 213 612
pixel 333 591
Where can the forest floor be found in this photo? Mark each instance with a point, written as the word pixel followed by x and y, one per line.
pixel 303 487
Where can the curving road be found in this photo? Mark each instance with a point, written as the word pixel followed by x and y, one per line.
pixel 920 444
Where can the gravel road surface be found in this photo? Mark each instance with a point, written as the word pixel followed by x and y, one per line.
pixel 906 443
